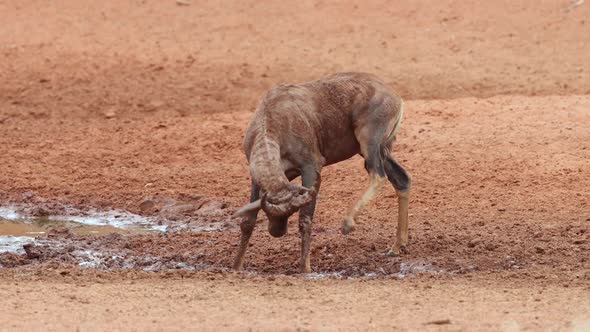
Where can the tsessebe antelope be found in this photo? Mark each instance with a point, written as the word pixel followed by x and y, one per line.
pixel 299 128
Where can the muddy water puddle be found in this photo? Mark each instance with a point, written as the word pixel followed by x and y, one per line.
pixel 43 225
pixel 14 234
pixel 13 222
pixel 17 229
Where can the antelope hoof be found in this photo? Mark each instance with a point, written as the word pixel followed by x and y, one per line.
pixel 397 251
pixel 238 263
pixel 238 266
pixel 347 226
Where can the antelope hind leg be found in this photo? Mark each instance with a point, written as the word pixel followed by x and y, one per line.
pixel 374 182
pixel 401 181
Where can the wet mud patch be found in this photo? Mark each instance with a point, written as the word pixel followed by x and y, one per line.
pixel 194 233
pixel 333 256
pixel 192 251
pixel 200 235
pixel 37 231
pixel 14 244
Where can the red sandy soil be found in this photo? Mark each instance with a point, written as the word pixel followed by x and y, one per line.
pixel 109 104
pixel 209 302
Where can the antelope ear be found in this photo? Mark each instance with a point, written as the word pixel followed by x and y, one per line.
pixel 246 209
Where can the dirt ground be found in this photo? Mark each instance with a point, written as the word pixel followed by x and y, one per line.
pixel 133 105
pixel 211 303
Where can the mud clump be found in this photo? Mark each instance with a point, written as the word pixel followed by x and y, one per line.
pixel 147 207
pixel 32 251
pixel 8 260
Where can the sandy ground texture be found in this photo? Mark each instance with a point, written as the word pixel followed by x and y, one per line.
pixel 141 106
pixel 230 303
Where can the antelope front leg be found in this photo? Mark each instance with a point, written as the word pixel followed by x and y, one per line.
pixel 309 179
pixel 247 227
pixel 305 231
